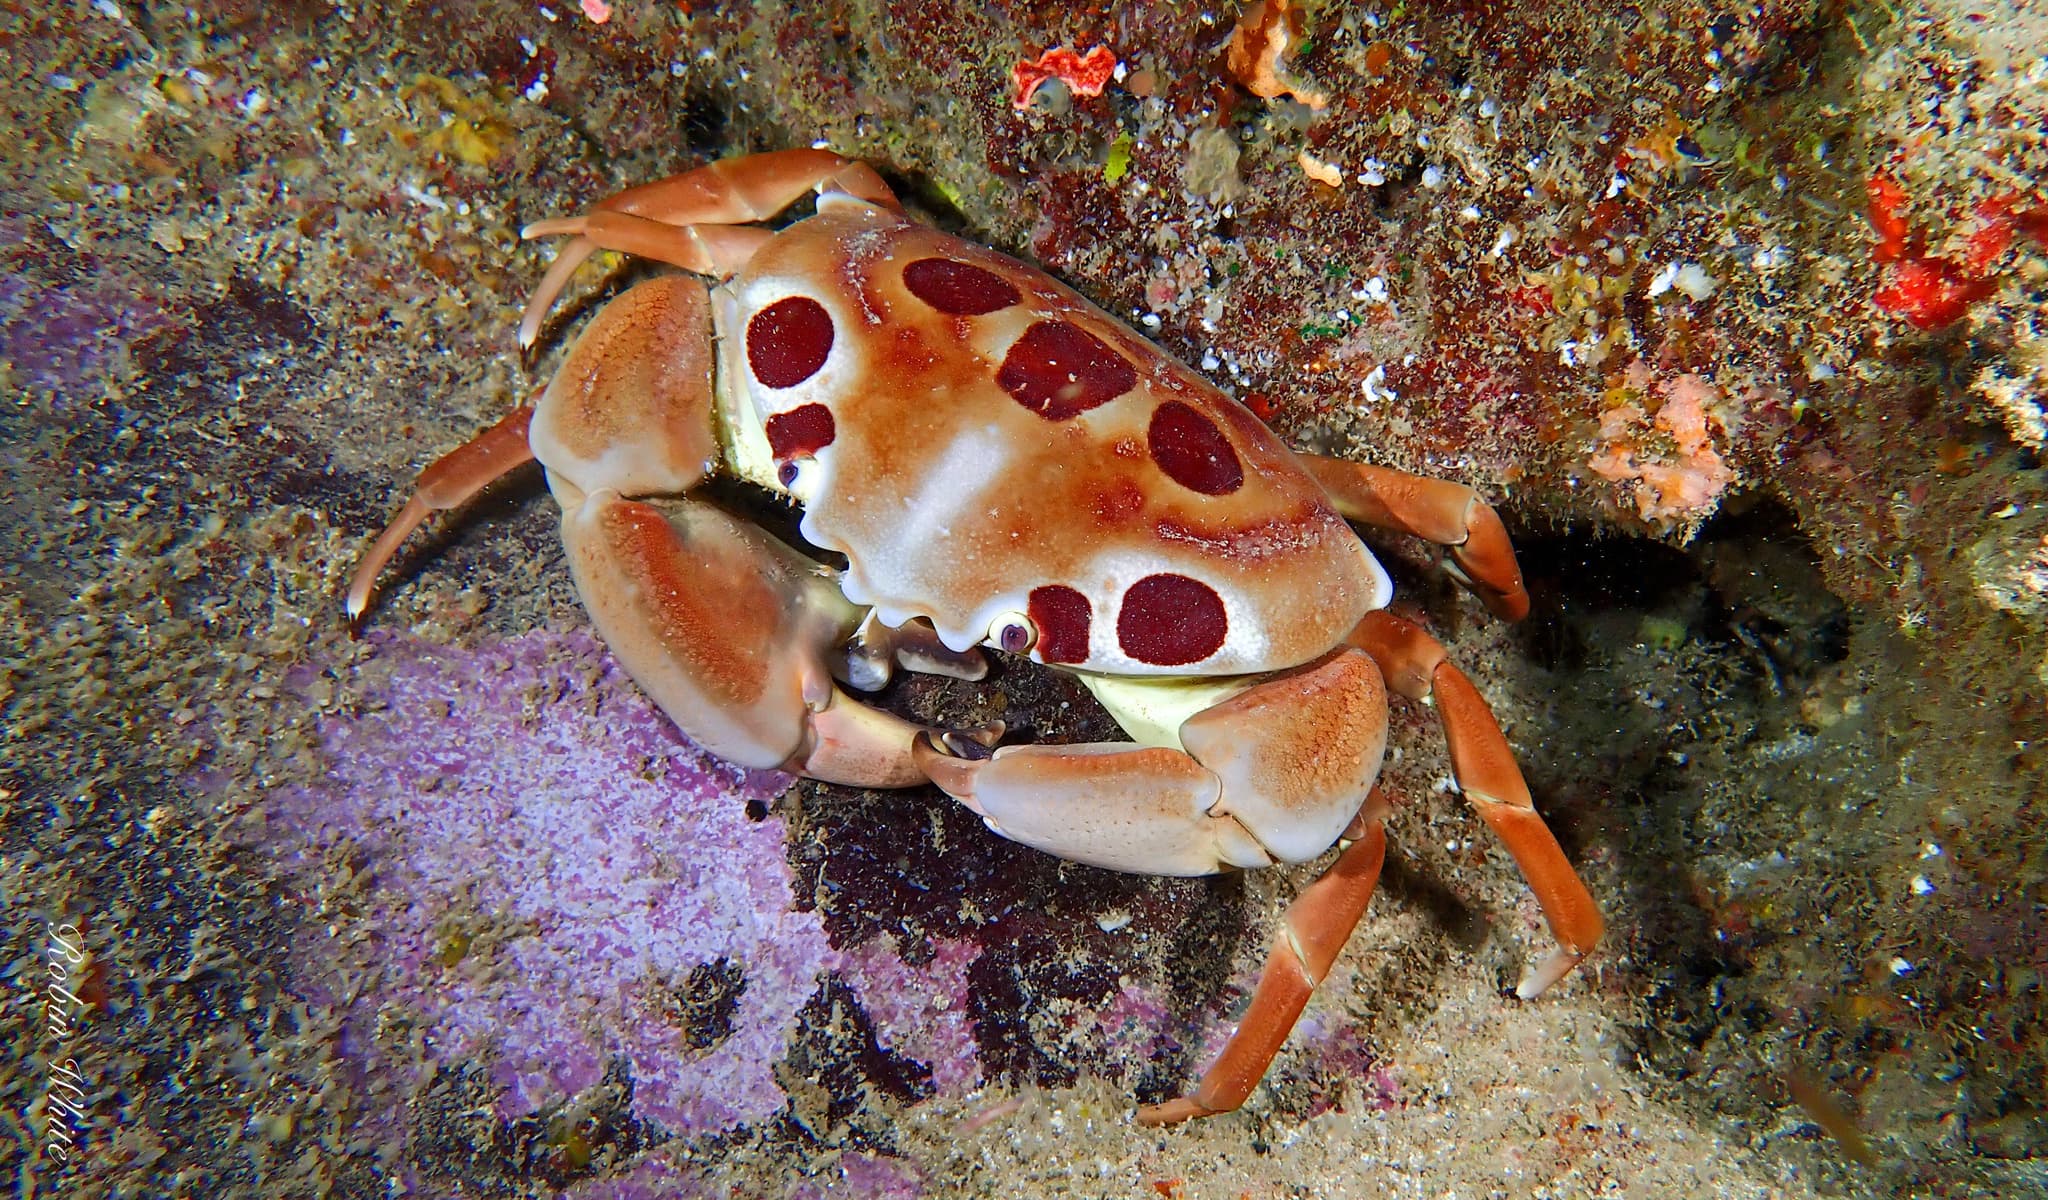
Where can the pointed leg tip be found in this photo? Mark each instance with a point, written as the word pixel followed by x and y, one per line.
pixel 1173 1112
pixel 355 605
pixel 1542 976
pixel 360 591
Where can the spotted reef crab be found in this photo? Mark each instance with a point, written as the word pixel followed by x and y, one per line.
pixel 1001 464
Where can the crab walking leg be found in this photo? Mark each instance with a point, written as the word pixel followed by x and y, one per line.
pixel 716 250
pixel 753 187
pixel 449 483
pixel 1436 510
pixel 1274 773
pixel 1312 932
pixel 730 191
pixel 1415 665
pixel 631 405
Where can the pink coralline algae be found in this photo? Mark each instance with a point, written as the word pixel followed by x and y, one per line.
pixel 1133 1025
pixel 1666 453
pixel 920 1013
pixel 548 861
pixel 655 1176
pixel 64 324
pixel 864 1177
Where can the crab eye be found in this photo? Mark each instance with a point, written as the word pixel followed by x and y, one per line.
pixel 1013 632
pixel 797 477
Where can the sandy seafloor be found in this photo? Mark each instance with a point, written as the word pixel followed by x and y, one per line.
pixel 1734 311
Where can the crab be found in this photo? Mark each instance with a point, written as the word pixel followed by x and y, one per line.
pixel 1001 465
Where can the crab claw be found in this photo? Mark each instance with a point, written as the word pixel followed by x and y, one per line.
pixel 972 745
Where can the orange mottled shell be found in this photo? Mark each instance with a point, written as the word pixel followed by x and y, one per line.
pixel 981 442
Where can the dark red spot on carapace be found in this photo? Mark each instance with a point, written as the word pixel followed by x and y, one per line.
pixel 1060 370
pixel 1170 620
pixel 1192 451
pixel 801 431
pixel 788 341
pixel 1062 616
pixel 961 289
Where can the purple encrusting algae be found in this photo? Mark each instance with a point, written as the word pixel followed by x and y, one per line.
pixel 548 860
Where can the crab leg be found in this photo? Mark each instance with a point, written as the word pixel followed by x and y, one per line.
pixel 874 652
pixel 716 250
pixel 1271 774
pixel 450 482
pixel 1416 666
pixel 655 220
pixel 1436 510
pixel 752 187
pixel 726 628
pixel 1312 932
pixel 1274 773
